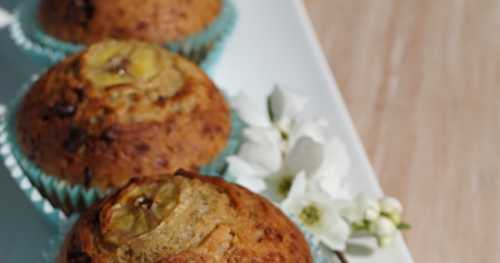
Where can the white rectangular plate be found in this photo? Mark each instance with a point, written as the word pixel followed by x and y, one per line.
pixel 274 44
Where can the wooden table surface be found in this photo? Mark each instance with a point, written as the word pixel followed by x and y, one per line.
pixel 421 80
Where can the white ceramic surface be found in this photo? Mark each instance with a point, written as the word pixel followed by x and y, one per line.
pixel 275 44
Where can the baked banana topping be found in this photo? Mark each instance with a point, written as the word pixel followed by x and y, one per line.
pixel 185 218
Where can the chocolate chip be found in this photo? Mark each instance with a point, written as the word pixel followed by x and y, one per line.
pixel 79 257
pixel 75 140
pixel 80 11
pixel 141 25
pixel 142 148
pixel 64 110
pixel 162 162
pixel 89 9
pixel 138 170
pixel 45 115
pixel 74 67
pixel 80 93
pixel 161 101
pixel 109 135
pixel 87 176
pixel 96 220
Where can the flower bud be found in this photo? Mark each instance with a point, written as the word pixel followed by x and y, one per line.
pixel 352 214
pixel 390 205
pixel 384 241
pixel 371 214
pixel 394 217
pixel 385 227
pixel 365 202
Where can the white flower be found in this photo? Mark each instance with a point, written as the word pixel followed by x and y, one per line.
pixel 250 112
pixel 293 162
pixel 361 208
pixel 380 218
pixel 385 230
pixel 284 107
pixel 390 205
pixel 262 147
pixel 306 156
pixel 385 227
pixel 248 175
pixel 318 213
pixel 369 205
pixel 314 128
pixel 352 214
pixel 282 113
pixel 257 164
pixel 334 169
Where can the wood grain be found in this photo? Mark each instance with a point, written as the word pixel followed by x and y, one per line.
pixel 422 82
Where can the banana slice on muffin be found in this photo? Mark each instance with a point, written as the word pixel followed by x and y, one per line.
pixel 184 218
pixel 118 109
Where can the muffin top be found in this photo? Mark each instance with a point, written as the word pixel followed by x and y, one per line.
pixel 184 218
pixel 119 109
pixel 160 21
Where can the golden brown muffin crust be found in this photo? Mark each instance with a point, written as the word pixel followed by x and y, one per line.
pixel 184 218
pixel 160 21
pixel 120 109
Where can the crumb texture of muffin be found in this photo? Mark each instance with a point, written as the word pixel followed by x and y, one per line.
pixel 119 109
pixel 160 21
pixel 184 218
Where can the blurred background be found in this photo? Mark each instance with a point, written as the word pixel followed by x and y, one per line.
pixel 421 81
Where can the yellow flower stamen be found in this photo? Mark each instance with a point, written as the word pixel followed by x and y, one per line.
pixel 310 215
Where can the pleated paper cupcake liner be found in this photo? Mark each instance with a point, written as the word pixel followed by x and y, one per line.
pixel 203 48
pixel 58 196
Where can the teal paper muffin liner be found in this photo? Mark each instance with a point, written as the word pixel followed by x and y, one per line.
pixel 54 197
pixel 204 48
pixel 50 254
pixel 42 205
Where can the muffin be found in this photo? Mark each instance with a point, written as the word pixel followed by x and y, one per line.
pixel 118 109
pixel 192 28
pixel 184 218
pixel 159 21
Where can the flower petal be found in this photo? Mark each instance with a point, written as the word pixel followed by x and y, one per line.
pixel 390 205
pixel 336 234
pixel 299 185
pixel 315 128
pixel 238 167
pixel 385 227
pixel 246 174
pixel 365 202
pixel 306 155
pixel 256 185
pixel 262 134
pixel 352 214
pixel 335 230
pixel 262 154
pixel 336 159
pixel 285 105
pixel 334 169
pixel 250 112
pixel 297 199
